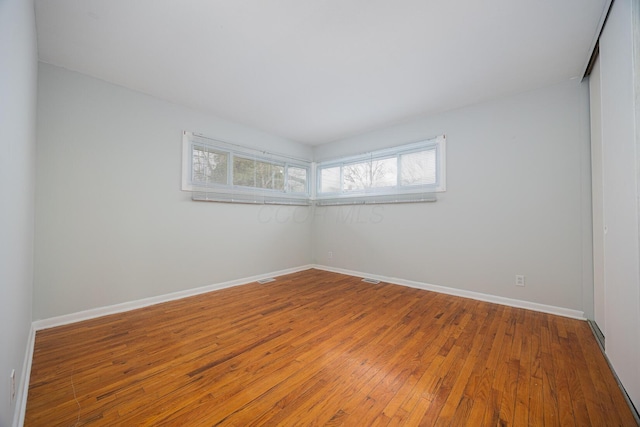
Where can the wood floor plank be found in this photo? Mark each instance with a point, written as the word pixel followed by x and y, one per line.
pixel 455 397
pixel 479 386
pixel 320 348
pixel 604 385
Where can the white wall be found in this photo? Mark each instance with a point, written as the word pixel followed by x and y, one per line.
pixel 517 202
pixel 619 82
pixel 112 224
pixel 18 68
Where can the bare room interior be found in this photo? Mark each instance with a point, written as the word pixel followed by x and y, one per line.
pixel 319 212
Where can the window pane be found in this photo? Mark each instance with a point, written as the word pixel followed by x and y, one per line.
pixel 258 174
pixel 370 174
pixel 384 173
pixel 209 166
pixel 297 180
pixel 330 180
pixel 269 176
pixel 244 172
pixel 419 168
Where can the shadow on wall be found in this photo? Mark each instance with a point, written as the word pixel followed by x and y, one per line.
pixel 350 214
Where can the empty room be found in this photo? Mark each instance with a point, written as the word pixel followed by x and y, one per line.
pixel 340 213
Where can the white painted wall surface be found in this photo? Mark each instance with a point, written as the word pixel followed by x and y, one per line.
pixel 619 76
pixel 517 202
pixel 18 79
pixel 112 224
pixel 595 102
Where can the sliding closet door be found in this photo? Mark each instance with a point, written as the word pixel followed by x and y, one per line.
pixel 619 81
pixel 596 198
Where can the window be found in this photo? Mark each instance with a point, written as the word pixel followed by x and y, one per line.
pixel 209 166
pixel 297 179
pixel 418 168
pixel 330 178
pixel 220 171
pixel 412 172
pixel 378 173
pixel 258 173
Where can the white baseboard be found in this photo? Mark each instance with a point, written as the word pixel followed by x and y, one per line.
pixel 560 311
pixel 23 391
pixel 145 302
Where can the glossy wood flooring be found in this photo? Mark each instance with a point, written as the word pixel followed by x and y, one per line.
pixel 318 348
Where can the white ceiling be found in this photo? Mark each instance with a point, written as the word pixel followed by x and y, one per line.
pixel 315 71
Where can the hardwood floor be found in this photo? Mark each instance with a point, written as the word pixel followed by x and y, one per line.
pixel 319 348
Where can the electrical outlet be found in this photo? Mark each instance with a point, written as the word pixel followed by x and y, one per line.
pixel 519 280
pixel 12 385
pixel 330 255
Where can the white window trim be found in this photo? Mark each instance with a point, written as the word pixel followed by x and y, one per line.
pixel 242 194
pixel 238 193
pixel 395 194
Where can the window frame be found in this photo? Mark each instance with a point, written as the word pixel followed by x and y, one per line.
pixel 246 194
pixel 312 193
pixel 438 143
